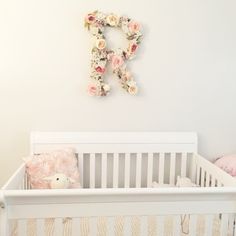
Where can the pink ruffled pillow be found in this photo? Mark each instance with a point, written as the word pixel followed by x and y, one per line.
pixel 48 164
pixel 228 164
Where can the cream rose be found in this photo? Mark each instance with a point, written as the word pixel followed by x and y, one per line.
pixel 106 87
pixel 127 76
pixel 133 90
pixel 100 44
pixel 112 20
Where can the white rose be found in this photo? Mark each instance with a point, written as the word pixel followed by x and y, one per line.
pixel 100 44
pixel 94 30
pixel 131 83
pixel 133 90
pixel 112 20
pixel 106 87
pixel 101 15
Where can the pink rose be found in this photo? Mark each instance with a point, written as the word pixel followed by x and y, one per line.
pixel 92 90
pixel 132 48
pixel 134 27
pixel 90 18
pixel 116 61
pixel 100 70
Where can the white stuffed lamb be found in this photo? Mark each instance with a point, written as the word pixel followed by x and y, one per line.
pixel 59 181
pixel 184 182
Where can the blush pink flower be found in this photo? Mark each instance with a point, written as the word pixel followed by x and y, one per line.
pixel 116 62
pixel 90 18
pixel 132 48
pixel 134 27
pixel 100 70
pixel 92 90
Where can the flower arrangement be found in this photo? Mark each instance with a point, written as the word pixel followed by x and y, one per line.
pixel 96 22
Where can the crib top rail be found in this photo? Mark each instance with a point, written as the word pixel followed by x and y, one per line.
pixel 105 142
pixel 116 202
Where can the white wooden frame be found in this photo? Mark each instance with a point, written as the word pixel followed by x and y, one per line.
pixel 19 203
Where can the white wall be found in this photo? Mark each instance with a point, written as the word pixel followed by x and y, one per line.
pixel 186 70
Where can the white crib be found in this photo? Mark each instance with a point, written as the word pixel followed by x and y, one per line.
pixel 117 170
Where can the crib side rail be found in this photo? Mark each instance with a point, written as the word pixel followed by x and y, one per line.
pixel 18 180
pixel 78 203
pixel 209 175
pixel 77 206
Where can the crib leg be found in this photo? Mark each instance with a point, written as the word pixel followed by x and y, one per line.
pixel 3 217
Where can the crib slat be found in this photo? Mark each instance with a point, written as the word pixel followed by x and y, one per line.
pixel 198 175
pixel 41 227
pixel 231 224
pixel 104 170
pixel 208 225
pixel 224 225
pixel 161 168
pixel 75 226
pixel 213 182
pixel 193 225
pixel 101 226
pixel 127 170
pixel 160 225
pixel 31 227
pixel 115 170
pixel 135 225
pixel 150 170
pixel 110 226
pixel 119 225
pixel 11 228
pixel 92 226
pixel 127 226
pixel 58 229
pixel 202 178
pixel 138 170
pixel 143 225
pixel 176 225
pixel 84 226
pixel 234 228
pixel 183 164
pixel 192 167
pixel 92 170
pixel 67 226
pixel 172 168
pixel 81 168
pixel 207 179
pixel 152 225
pixel 22 227
pixel 49 226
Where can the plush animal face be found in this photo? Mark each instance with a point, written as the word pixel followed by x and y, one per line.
pixel 59 181
pixel 184 182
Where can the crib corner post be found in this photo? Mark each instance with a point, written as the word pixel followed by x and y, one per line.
pixel 3 215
